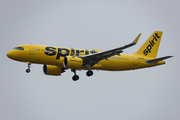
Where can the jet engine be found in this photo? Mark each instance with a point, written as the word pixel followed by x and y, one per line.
pixel 52 70
pixel 72 62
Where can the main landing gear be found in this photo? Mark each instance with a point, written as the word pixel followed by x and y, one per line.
pixel 89 73
pixel 76 77
pixel 28 70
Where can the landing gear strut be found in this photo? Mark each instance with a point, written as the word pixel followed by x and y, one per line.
pixel 28 70
pixel 75 77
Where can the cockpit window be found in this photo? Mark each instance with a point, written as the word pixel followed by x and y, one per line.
pixel 18 48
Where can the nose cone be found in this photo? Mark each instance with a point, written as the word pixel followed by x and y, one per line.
pixel 9 54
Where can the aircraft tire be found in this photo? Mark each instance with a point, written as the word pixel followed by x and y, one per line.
pixel 28 70
pixel 89 73
pixel 75 77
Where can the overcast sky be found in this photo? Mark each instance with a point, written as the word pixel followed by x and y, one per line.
pixel 146 94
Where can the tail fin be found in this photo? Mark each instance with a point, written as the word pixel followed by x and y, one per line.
pixel 150 47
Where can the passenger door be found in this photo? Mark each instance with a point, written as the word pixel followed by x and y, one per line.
pixel 31 50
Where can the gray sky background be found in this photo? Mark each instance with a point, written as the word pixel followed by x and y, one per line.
pixel 146 94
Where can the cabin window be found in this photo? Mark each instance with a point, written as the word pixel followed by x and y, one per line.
pixel 18 48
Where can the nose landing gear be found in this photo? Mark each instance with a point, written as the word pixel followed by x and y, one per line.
pixel 28 70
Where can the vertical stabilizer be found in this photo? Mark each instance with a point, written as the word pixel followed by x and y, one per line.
pixel 151 46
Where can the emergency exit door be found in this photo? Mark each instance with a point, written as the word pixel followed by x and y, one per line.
pixel 135 62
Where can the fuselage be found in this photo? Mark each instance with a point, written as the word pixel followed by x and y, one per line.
pixel 51 55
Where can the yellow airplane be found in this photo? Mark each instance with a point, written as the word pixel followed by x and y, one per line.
pixel 57 59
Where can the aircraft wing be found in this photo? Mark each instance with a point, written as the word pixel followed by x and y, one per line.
pixel 93 59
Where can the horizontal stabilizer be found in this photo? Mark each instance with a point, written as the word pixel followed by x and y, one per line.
pixel 157 59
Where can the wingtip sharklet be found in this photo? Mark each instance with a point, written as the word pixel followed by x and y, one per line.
pixel 137 38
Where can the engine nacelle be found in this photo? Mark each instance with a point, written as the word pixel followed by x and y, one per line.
pixel 52 70
pixel 72 62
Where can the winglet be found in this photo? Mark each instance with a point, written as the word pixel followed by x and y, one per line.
pixel 137 38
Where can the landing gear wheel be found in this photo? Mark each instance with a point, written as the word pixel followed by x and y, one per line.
pixel 75 77
pixel 89 73
pixel 28 70
pixel 29 65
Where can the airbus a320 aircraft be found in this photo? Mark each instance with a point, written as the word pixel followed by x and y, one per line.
pixel 58 59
